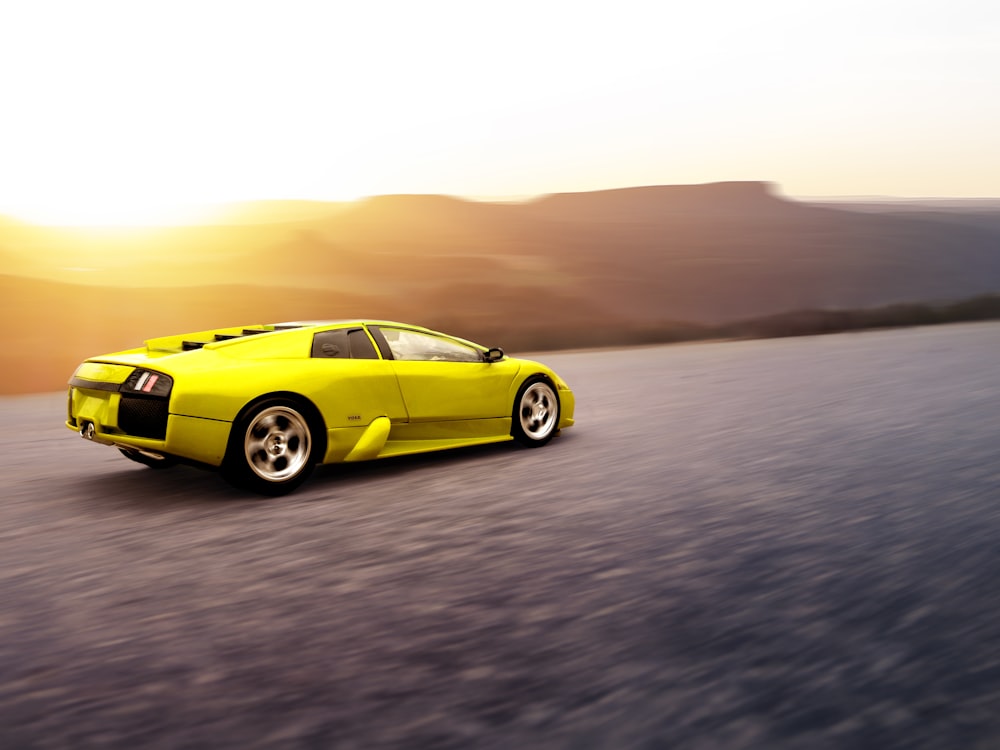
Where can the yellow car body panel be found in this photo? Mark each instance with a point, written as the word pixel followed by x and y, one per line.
pixel 436 391
pixel 180 396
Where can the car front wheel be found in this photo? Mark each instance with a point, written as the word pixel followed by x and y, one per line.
pixel 536 413
pixel 270 448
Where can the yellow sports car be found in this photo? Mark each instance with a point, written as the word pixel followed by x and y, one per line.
pixel 268 402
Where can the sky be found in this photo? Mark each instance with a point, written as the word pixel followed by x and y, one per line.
pixel 132 112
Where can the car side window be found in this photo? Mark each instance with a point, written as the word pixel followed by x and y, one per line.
pixel 343 344
pixel 415 346
pixel 361 345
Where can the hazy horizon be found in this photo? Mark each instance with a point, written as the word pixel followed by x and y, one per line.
pixel 276 210
pixel 604 267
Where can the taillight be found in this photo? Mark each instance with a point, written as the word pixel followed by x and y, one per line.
pixel 147 382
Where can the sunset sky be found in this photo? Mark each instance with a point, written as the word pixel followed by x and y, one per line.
pixel 135 111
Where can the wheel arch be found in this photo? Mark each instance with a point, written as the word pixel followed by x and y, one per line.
pixel 310 411
pixel 523 376
pixel 517 430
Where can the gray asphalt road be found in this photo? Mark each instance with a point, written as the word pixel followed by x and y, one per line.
pixel 772 544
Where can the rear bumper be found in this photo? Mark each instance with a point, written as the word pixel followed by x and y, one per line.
pixel 98 415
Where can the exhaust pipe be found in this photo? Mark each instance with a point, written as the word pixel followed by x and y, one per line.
pixel 87 430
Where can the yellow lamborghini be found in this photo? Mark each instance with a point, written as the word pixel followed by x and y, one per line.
pixel 266 403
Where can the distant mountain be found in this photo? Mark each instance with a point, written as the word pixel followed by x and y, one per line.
pixel 752 200
pixel 587 265
pixel 879 205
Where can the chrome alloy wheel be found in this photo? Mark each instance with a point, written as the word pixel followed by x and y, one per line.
pixel 277 443
pixel 538 411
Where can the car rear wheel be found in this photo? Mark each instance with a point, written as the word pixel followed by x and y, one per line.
pixel 270 448
pixel 536 413
pixel 151 460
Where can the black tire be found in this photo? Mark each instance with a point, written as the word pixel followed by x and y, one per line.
pixel 164 462
pixel 535 418
pixel 271 447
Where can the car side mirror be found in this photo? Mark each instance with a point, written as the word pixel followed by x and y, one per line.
pixel 495 354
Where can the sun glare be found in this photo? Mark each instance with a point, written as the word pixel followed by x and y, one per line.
pixel 106 124
pixel 81 212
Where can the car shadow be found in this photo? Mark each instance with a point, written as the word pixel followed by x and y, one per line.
pixel 183 485
pixel 418 462
pixel 401 465
pixel 135 486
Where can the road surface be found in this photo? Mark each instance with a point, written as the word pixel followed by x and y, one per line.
pixel 767 544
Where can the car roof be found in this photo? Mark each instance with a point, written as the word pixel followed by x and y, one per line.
pixel 345 322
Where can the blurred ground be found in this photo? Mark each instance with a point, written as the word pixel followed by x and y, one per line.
pixel 766 544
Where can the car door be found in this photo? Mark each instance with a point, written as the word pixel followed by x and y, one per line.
pixel 443 379
pixel 352 384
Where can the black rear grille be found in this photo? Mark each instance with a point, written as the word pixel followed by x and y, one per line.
pixel 143 416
